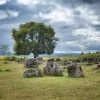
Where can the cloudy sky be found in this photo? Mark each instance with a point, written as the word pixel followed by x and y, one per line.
pixel 76 22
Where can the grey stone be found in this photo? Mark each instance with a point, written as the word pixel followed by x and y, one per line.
pixel 39 60
pixel 75 70
pixel 65 62
pixel 31 63
pixel 97 67
pixel 32 73
pixel 51 59
pixel 96 60
pixel 52 68
pixel 58 59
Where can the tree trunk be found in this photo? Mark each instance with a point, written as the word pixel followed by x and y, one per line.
pixel 35 55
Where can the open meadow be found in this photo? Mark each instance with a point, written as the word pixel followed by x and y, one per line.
pixel 13 86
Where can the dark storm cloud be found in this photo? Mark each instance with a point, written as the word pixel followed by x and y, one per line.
pixel 26 13
pixel 66 35
pixel 22 9
pixel 97 27
pixel 93 47
pixel 69 3
pixel 10 5
pixel 77 2
pixel 91 1
pixel 88 1
pixel 76 22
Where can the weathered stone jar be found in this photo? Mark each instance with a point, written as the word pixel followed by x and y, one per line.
pixel 32 73
pixel 31 63
pixel 74 70
pixel 39 60
pixel 52 68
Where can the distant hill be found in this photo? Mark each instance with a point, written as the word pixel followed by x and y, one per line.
pixel 61 54
pixel 6 53
pixel 54 54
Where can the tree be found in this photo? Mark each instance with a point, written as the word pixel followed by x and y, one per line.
pixel 82 53
pixel 4 48
pixel 97 52
pixel 89 52
pixel 34 37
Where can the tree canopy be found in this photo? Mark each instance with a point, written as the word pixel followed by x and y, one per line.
pixel 4 48
pixel 34 37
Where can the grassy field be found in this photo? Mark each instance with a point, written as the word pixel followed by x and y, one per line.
pixel 13 86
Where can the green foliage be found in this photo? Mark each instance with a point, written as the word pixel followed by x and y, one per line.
pixel 10 58
pixel 4 48
pixel 90 55
pixel 34 37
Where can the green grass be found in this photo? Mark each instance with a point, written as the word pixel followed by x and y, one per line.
pixel 13 86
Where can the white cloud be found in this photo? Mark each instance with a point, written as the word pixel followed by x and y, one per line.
pixel 86 32
pixel 64 14
pixel 13 13
pixel 91 40
pixel 3 15
pixel 89 32
pixel 30 2
pixel 59 15
pixel 3 1
pixel 88 14
pixel 8 13
pixel 75 44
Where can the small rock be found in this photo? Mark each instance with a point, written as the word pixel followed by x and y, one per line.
pixel 7 70
pixel 32 73
pixel 5 62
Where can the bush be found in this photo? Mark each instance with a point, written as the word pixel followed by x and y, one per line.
pixel 10 58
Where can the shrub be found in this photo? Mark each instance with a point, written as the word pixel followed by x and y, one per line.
pixel 10 58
